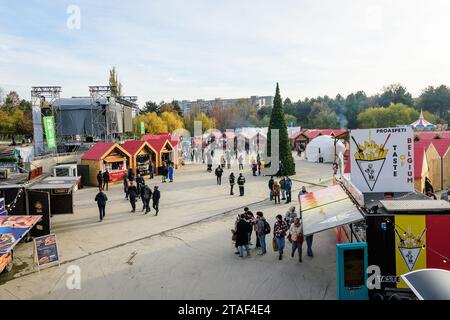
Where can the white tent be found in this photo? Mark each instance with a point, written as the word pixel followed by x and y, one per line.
pixel 323 146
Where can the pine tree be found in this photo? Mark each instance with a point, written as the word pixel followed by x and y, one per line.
pixel 277 121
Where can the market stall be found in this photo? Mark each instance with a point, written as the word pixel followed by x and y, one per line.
pixel 142 153
pixel 60 190
pixel 106 156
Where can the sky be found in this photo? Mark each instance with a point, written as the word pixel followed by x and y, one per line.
pixel 191 49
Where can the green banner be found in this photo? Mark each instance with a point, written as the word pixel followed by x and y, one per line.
pixel 142 127
pixel 49 127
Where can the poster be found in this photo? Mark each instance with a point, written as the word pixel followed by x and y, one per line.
pixel 13 229
pixel 49 126
pixel 321 197
pixel 382 160
pixel 46 250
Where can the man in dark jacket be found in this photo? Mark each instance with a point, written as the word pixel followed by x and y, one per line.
pixel 270 184
pixel 151 171
pixel 219 172
pixel 132 193
pixel 163 173
pixel 156 197
pixel 101 199
pixel 288 187
pixel 241 182
pixel 232 183
pixel 105 180
pixel 100 180
pixel 146 197
pixel 243 229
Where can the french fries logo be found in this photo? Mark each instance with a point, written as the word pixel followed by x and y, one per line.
pixel 370 157
pixel 370 150
pixel 410 246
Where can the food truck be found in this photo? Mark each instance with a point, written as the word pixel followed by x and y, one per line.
pixel 377 206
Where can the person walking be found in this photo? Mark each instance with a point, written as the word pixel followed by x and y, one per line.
pixel 254 168
pixel 100 180
pixel 276 192
pixel 241 183
pixel 156 196
pixel 290 216
pixel 132 193
pixel 270 184
pixel 151 169
pixel 228 159
pixel 171 171
pixel 242 230
pixel 101 199
pixel 125 184
pixel 297 238
pixel 279 233
pixel 258 162
pixel 223 161
pixel 232 180
pixel 288 187
pixel 106 180
pixel 262 228
pixel 131 174
pixel 146 197
pixel 219 172
pixel 163 173
pixel 141 191
pixel 241 162
pixel 283 188
pixel 250 218
pixel 140 183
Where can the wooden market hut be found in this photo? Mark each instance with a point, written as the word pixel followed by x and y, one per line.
pixel 106 155
pixel 164 150
pixel 420 167
pixel 434 163
pixel 443 148
pixel 142 153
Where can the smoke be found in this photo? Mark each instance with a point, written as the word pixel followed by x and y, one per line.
pixel 343 122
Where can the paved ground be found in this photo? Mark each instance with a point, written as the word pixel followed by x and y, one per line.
pixel 183 253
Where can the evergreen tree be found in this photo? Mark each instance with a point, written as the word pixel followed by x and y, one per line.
pixel 277 121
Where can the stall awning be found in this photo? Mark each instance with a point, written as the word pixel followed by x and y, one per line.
pixel 326 209
pixel 13 229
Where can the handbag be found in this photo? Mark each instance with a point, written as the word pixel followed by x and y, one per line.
pixel 289 237
pixel 234 236
pixel 274 245
pixel 300 238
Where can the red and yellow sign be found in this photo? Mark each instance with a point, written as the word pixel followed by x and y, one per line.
pixel 421 242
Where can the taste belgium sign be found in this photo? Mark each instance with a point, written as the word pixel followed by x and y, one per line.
pixel 382 160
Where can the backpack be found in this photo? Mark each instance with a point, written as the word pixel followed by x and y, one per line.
pixel 266 227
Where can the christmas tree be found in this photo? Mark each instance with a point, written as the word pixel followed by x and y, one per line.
pixel 277 121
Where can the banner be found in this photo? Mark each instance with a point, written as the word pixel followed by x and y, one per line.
pixel 382 160
pixel 142 128
pixel 49 127
pixel 46 250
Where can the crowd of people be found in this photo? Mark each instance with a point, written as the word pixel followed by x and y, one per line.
pixel 135 189
pixel 281 188
pixel 288 227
